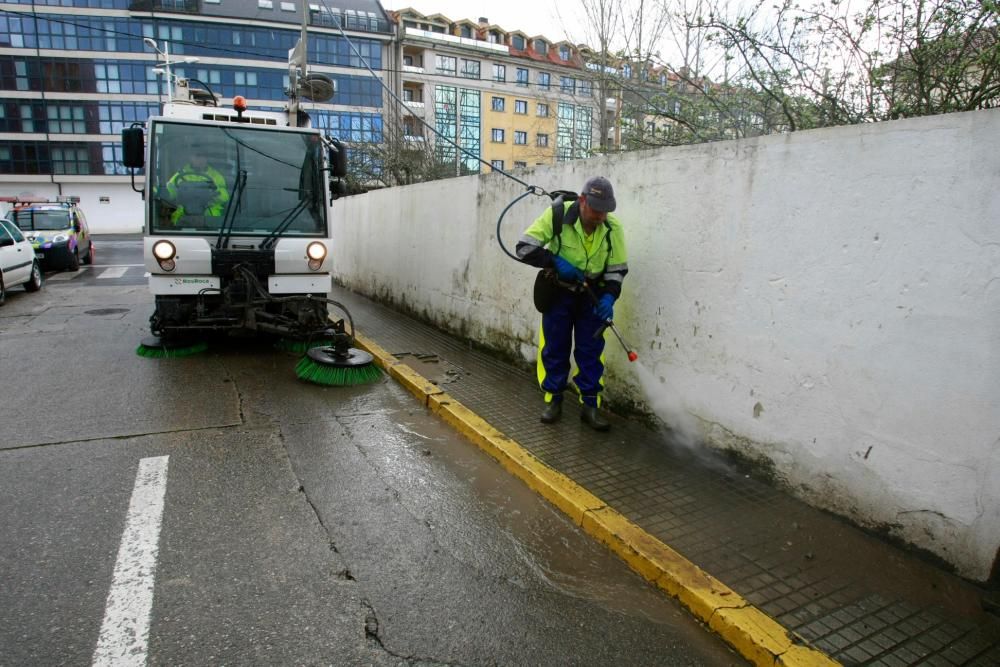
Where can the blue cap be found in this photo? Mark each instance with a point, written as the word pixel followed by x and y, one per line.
pixel 600 195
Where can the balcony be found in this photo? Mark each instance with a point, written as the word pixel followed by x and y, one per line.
pixel 177 6
pixel 440 38
pixel 349 19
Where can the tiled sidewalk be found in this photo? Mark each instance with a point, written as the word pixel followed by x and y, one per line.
pixel 851 595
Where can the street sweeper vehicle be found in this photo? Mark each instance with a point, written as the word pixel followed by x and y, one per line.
pixel 237 237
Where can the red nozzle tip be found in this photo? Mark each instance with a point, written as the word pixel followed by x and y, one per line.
pixel 632 356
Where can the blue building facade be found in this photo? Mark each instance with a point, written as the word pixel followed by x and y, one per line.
pixel 73 73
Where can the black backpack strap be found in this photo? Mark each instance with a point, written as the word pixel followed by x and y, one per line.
pixel 559 198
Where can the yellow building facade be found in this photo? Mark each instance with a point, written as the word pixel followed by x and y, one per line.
pixel 513 100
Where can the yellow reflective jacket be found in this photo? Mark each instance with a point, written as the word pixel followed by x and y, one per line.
pixel 209 174
pixel 602 257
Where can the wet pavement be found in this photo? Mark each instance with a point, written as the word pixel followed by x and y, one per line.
pixel 847 593
pixel 301 524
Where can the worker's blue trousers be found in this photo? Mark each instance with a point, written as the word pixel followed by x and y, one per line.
pixel 572 314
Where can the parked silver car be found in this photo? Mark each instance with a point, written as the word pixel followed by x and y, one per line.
pixel 18 264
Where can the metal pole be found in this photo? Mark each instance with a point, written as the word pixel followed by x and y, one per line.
pixel 170 79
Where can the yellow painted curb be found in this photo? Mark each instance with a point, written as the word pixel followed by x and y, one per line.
pixel 415 383
pixel 382 357
pixel 754 634
pixel 552 485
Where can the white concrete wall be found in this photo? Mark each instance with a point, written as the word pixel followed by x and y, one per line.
pixel 122 213
pixel 826 301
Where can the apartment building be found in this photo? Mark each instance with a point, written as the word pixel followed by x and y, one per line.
pixel 73 73
pixel 507 98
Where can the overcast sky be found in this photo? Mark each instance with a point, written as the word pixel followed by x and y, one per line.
pixel 535 17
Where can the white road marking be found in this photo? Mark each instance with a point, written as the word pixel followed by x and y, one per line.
pixel 116 272
pixel 125 631
pixel 113 266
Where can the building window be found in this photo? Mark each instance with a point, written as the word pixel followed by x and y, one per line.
pixel 497 135
pixel 466 32
pixel 521 106
pixel 627 71
pixel 454 106
pixel 542 110
pixel 583 88
pixel 498 103
pixel 470 69
pixel 567 84
pixel 66 120
pixel 574 126
pixel 499 72
pixel 564 53
pixel 541 47
pixel 517 42
pixel 265 4
pixel 544 80
pixel 447 65
pixel 70 160
pixel 408 61
pixel 522 76
pixel 407 94
pixel 27 122
pixel 496 164
pixel 349 125
pixel 495 38
pixel 542 140
pixel 21 72
pixel 520 165
pixel 113 117
pixel 520 138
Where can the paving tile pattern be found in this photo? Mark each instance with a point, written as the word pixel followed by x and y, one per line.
pixel 851 595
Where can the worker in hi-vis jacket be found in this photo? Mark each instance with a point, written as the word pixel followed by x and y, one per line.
pixel 589 257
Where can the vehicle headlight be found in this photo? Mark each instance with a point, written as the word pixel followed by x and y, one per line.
pixel 164 252
pixel 60 238
pixel 316 251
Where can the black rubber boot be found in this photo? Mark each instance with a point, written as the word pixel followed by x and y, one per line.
pixel 552 412
pixel 591 416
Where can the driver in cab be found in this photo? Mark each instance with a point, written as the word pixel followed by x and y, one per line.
pixel 197 188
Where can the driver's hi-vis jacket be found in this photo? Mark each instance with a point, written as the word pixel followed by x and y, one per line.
pixel 209 174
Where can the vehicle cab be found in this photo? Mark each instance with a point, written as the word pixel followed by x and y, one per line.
pixel 57 230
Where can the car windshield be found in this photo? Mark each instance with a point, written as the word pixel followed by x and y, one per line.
pixel 41 219
pixel 257 180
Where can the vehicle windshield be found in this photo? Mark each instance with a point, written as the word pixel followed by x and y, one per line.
pixel 257 180
pixel 42 219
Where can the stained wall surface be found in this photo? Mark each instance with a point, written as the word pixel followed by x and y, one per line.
pixel 826 302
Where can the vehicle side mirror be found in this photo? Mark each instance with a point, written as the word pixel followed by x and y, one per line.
pixel 338 189
pixel 133 148
pixel 338 159
pixel 4 242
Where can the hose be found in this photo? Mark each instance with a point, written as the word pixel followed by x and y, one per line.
pixel 532 190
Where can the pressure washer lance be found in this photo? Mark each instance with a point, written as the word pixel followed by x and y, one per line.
pixel 608 324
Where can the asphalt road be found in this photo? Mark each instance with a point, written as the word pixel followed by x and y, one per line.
pixel 263 520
